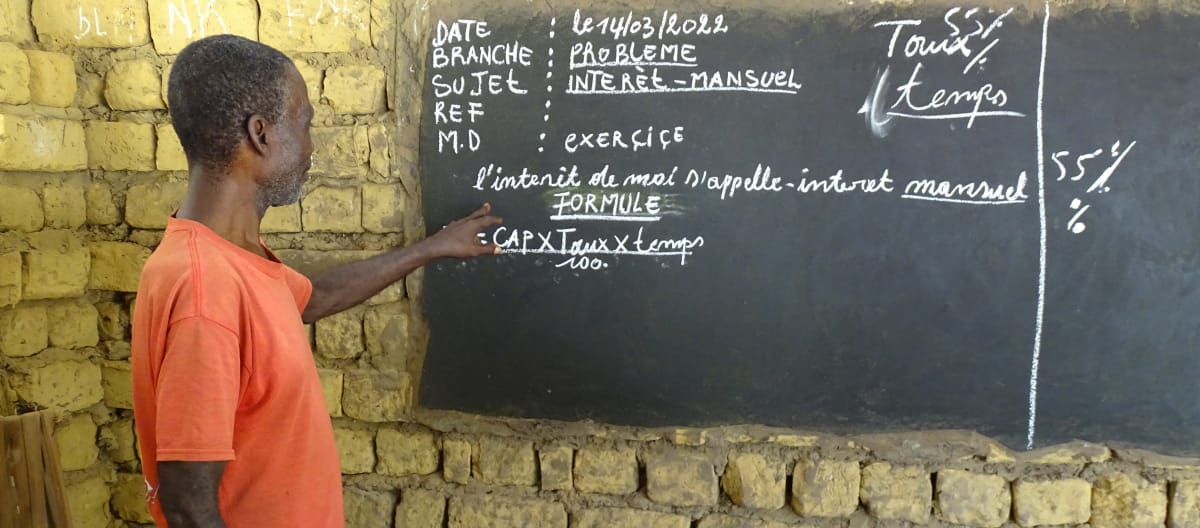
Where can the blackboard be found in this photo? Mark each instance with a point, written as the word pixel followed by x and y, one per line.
pixel 840 219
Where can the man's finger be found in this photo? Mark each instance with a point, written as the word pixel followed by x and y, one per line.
pixel 487 221
pixel 490 249
pixel 481 211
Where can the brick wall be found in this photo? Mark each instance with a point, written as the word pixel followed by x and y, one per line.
pixel 90 167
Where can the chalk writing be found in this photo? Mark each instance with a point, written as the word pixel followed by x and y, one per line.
pixel 967 36
pixel 590 55
pixel 980 192
pixel 1111 158
pixel 474 64
pixel 335 13
pixel 645 27
pixel 91 23
pixel 205 11
pixel 635 140
pixel 566 242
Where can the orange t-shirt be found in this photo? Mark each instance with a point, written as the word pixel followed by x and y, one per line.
pixel 222 371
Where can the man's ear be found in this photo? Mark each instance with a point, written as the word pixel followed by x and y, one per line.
pixel 256 130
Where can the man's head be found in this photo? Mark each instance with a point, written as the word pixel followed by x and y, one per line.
pixel 241 110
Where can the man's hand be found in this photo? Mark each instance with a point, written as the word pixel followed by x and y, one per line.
pixel 461 238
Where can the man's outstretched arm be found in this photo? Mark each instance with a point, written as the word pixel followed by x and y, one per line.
pixel 345 286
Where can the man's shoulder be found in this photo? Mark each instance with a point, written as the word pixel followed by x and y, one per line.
pixel 182 258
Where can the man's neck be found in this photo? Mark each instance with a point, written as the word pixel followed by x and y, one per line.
pixel 227 206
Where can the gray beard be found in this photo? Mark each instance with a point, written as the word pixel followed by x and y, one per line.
pixel 280 191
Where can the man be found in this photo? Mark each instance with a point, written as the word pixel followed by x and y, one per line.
pixel 230 415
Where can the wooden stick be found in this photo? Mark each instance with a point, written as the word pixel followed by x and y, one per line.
pixel 31 427
pixel 8 488
pixel 18 471
pixel 56 494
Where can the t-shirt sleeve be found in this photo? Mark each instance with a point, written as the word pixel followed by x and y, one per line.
pixel 198 388
pixel 300 286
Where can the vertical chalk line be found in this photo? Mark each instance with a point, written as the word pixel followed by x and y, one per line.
pixel 1041 292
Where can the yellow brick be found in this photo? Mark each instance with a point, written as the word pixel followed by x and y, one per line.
pixel 88 502
pixel 383 22
pixel 76 439
pixel 65 206
pixel 627 518
pixel 54 240
pixel 340 336
pixel 91 90
pixel 897 492
pixel 23 331
pixel 117 381
pixel 377 395
pixel 753 481
pixel 555 466
pixel 974 499
pixel 56 273
pixel 407 452
pixel 22 209
pixel 112 320
pixel 116 266
pixel 606 470
pixel 420 509
pixel 176 23
pixel 285 219
pixel 1185 504
pixel 1052 502
pixel 479 510
pixel 343 152
pixel 149 205
pixel 380 141
pixel 101 209
pixel 92 23
pixel 331 385
pixel 118 440
pixel 719 520
pixel 315 25
pixel 1128 501
pixel 166 80
pixel 120 146
pixel 71 385
pixel 76 324
pixel 170 155
pixel 14 21
pixel 313 77
pixel 332 209
pixel 367 508
pixel 681 478
pixel 10 279
pixel 51 78
pixel 129 499
pixel 456 460
pixel 117 350
pixel 41 144
pixel 383 207
pixel 388 338
pixel 356 450
pixel 689 437
pixel 356 89
pixel 14 75
pixel 133 85
pixel 505 461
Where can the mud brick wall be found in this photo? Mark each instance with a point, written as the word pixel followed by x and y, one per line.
pixel 90 168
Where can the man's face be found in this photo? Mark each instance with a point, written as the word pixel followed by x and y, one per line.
pixel 290 161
